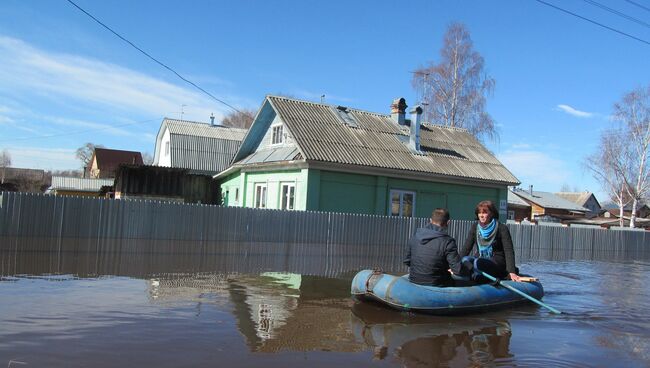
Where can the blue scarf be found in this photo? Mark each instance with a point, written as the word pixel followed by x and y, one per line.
pixel 485 237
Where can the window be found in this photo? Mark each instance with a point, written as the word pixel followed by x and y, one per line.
pixel 402 203
pixel 287 196
pixel 278 136
pixel 259 200
pixel 166 148
pixel 236 196
pixel 511 215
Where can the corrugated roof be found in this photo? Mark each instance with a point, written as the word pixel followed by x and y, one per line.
pixel 579 198
pixel 196 129
pixel 377 141
pixel 79 184
pixel 514 199
pixel 549 200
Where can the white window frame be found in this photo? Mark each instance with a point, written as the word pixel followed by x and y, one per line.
pixel 280 135
pixel 264 191
pixel 167 148
pixel 237 196
pixel 401 202
pixel 290 205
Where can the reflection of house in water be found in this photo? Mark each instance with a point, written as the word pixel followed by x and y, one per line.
pixel 275 313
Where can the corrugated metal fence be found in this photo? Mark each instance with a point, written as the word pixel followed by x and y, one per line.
pixel 37 215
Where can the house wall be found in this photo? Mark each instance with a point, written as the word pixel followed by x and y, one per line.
pixel 93 171
pixel 319 190
pixel 539 211
pixel 75 193
pixel 164 160
pixel 356 193
pixel 592 205
pixel 247 181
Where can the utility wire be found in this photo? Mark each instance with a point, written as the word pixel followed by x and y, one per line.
pixel 620 14
pixel 153 58
pixel 639 5
pixel 78 132
pixel 592 21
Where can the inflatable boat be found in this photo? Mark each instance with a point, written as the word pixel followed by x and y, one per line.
pixel 399 293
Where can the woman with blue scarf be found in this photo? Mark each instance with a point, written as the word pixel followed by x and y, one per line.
pixel 490 244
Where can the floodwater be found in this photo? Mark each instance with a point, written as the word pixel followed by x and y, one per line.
pixel 66 304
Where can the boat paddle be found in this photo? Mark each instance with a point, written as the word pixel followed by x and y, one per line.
pixel 494 279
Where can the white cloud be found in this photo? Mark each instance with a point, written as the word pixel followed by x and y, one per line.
pixel 27 70
pixel 574 112
pixel 43 158
pixel 537 168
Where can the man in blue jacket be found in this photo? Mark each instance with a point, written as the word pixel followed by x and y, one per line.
pixel 432 253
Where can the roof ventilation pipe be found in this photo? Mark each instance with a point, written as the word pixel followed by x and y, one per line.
pixel 211 119
pixel 414 138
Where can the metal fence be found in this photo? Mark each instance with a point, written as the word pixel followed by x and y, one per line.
pixel 45 216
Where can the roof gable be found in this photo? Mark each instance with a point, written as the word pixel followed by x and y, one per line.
pixel 376 141
pixel 109 159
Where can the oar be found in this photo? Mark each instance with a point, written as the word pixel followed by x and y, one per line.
pixel 494 279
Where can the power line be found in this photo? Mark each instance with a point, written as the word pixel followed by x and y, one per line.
pixel 639 5
pixel 620 14
pixel 593 21
pixel 153 58
pixel 78 132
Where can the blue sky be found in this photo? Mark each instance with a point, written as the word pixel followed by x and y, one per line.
pixel 65 80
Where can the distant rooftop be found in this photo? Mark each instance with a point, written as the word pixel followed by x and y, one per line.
pixel 79 184
pixel 549 200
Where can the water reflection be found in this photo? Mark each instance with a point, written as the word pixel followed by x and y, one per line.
pixel 430 341
pixel 195 303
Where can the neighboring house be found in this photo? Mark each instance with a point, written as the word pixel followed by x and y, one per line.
pixel 202 148
pixel 65 186
pixel 23 180
pixel 546 206
pixel 643 211
pixel 585 199
pixel 164 183
pixel 300 155
pixel 518 209
pixel 104 162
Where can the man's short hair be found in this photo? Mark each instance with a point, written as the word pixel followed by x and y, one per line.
pixel 440 216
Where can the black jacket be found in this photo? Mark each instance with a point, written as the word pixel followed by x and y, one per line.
pixel 431 252
pixel 503 251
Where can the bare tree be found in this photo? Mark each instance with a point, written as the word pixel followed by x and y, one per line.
pixel 239 119
pixel 633 111
pixel 609 166
pixel 85 153
pixel 456 88
pixel 5 162
pixel 147 158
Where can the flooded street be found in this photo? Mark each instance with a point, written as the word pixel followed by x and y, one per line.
pixel 133 308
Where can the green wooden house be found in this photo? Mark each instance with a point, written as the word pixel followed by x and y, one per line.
pixel 301 155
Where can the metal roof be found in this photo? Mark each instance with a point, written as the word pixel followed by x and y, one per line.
pixel 196 129
pixel 580 198
pixel 549 200
pixel 377 141
pixel 515 200
pixel 79 184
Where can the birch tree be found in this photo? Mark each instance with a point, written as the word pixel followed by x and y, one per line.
pixel 5 162
pixel 609 166
pixel 456 88
pixel 633 111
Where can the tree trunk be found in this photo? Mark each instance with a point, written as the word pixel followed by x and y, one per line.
pixel 633 214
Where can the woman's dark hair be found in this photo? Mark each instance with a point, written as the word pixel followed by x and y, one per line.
pixel 490 207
